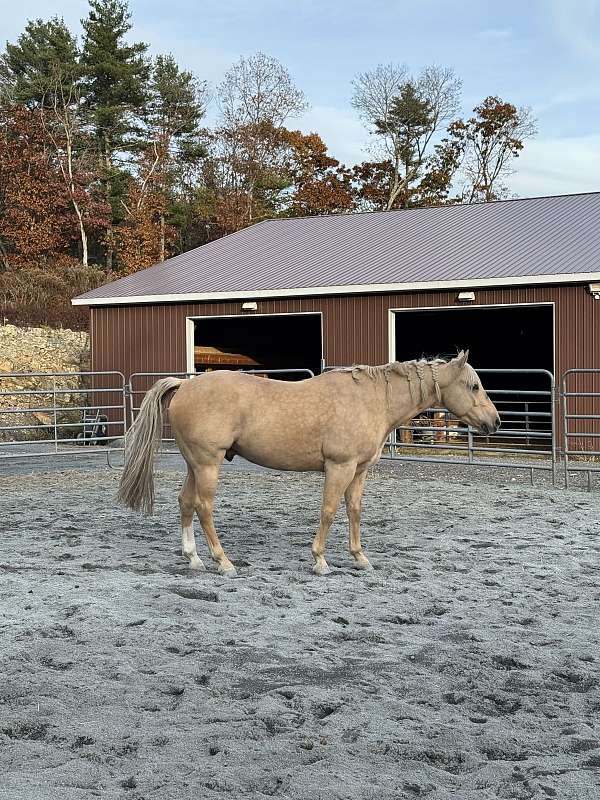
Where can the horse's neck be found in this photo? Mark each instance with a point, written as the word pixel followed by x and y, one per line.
pixel 402 407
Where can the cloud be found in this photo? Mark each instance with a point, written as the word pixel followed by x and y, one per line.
pixel 562 165
pixel 580 92
pixel 576 22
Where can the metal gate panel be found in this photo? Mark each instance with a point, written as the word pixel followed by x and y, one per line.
pixel 580 408
pixel 59 413
pixel 528 429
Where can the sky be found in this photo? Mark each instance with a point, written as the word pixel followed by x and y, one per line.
pixel 540 53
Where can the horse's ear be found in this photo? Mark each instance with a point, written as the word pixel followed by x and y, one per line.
pixel 462 358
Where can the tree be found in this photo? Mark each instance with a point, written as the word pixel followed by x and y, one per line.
pixel 177 103
pixel 258 90
pixel 437 183
pixel 142 236
pixel 256 97
pixel 489 141
pixel 41 72
pixel 372 184
pixel 63 126
pixel 243 175
pixel 36 223
pixel 318 184
pixel 405 114
pixel 28 68
pixel 115 88
pixel 175 106
pixel 409 121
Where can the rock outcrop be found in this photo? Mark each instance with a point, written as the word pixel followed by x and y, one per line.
pixel 45 350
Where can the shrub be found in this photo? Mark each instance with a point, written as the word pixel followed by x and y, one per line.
pixel 31 295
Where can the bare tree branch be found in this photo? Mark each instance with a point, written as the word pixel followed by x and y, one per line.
pixel 405 114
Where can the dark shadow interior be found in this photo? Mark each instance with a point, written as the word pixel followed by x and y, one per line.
pixel 508 337
pixel 259 342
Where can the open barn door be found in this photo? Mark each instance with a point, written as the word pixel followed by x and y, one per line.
pixel 261 341
pixel 519 338
pixel 497 337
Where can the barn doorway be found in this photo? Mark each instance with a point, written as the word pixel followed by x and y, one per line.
pixel 257 341
pixel 519 337
pixel 497 337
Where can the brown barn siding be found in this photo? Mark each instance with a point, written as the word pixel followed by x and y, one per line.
pixel 355 328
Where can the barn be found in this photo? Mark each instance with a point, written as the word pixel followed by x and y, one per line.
pixel 514 281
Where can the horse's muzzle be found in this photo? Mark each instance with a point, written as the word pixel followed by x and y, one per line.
pixel 488 428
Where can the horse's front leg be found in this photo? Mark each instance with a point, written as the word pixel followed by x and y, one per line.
pixel 337 478
pixel 354 494
pixel 186 506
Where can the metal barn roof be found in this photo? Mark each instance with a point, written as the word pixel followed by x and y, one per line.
pixel 538 240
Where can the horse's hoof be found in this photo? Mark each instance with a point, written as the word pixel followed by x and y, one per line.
pixel 228 572
pixel 197 564
pixel 365 565
pixel 321 569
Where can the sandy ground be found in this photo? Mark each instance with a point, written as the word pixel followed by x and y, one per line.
pixel 465 666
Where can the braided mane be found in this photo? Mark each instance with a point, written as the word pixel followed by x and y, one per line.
pixel 413 371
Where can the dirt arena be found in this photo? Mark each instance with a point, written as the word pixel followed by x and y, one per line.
pixel 465 667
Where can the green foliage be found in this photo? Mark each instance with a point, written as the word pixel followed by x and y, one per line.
pixel 115 74
pixel 102 152
pixel 175 105
pixel 409 119
pixel 28 69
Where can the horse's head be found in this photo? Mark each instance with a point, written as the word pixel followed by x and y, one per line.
pixel 463 395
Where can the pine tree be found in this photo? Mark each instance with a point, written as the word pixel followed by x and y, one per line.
pixel 116 85
pixel 28 69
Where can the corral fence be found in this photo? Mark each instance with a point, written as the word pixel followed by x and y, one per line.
pixel 61 413
pixel 526 403
pixel 580 390
pixel 65 413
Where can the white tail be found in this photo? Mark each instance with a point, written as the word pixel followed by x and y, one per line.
pixel 136 489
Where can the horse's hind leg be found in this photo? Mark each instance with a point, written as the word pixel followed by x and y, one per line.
pixel 206 476
pixel 337 478
pixel 187 497
pixel 354 494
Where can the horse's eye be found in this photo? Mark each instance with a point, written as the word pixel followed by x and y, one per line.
pixel 475 387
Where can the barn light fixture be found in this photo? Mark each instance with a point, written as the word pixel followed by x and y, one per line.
pixel 466 297
pixel 594 290
pixel 249 306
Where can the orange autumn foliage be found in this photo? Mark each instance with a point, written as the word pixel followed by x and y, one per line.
pixel 36 223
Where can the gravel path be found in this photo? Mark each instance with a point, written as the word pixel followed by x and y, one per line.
pixel 465 667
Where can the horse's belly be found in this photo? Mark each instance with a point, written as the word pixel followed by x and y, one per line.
pixel 286 461
pixel 278 452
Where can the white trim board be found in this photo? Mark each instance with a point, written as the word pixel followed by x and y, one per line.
pixel 323 291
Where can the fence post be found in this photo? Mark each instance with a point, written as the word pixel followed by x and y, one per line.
pixel 554 400
pixel 565 423
pixel 54 414
pixel 127 399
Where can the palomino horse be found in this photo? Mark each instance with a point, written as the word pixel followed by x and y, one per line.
pixel 336 423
